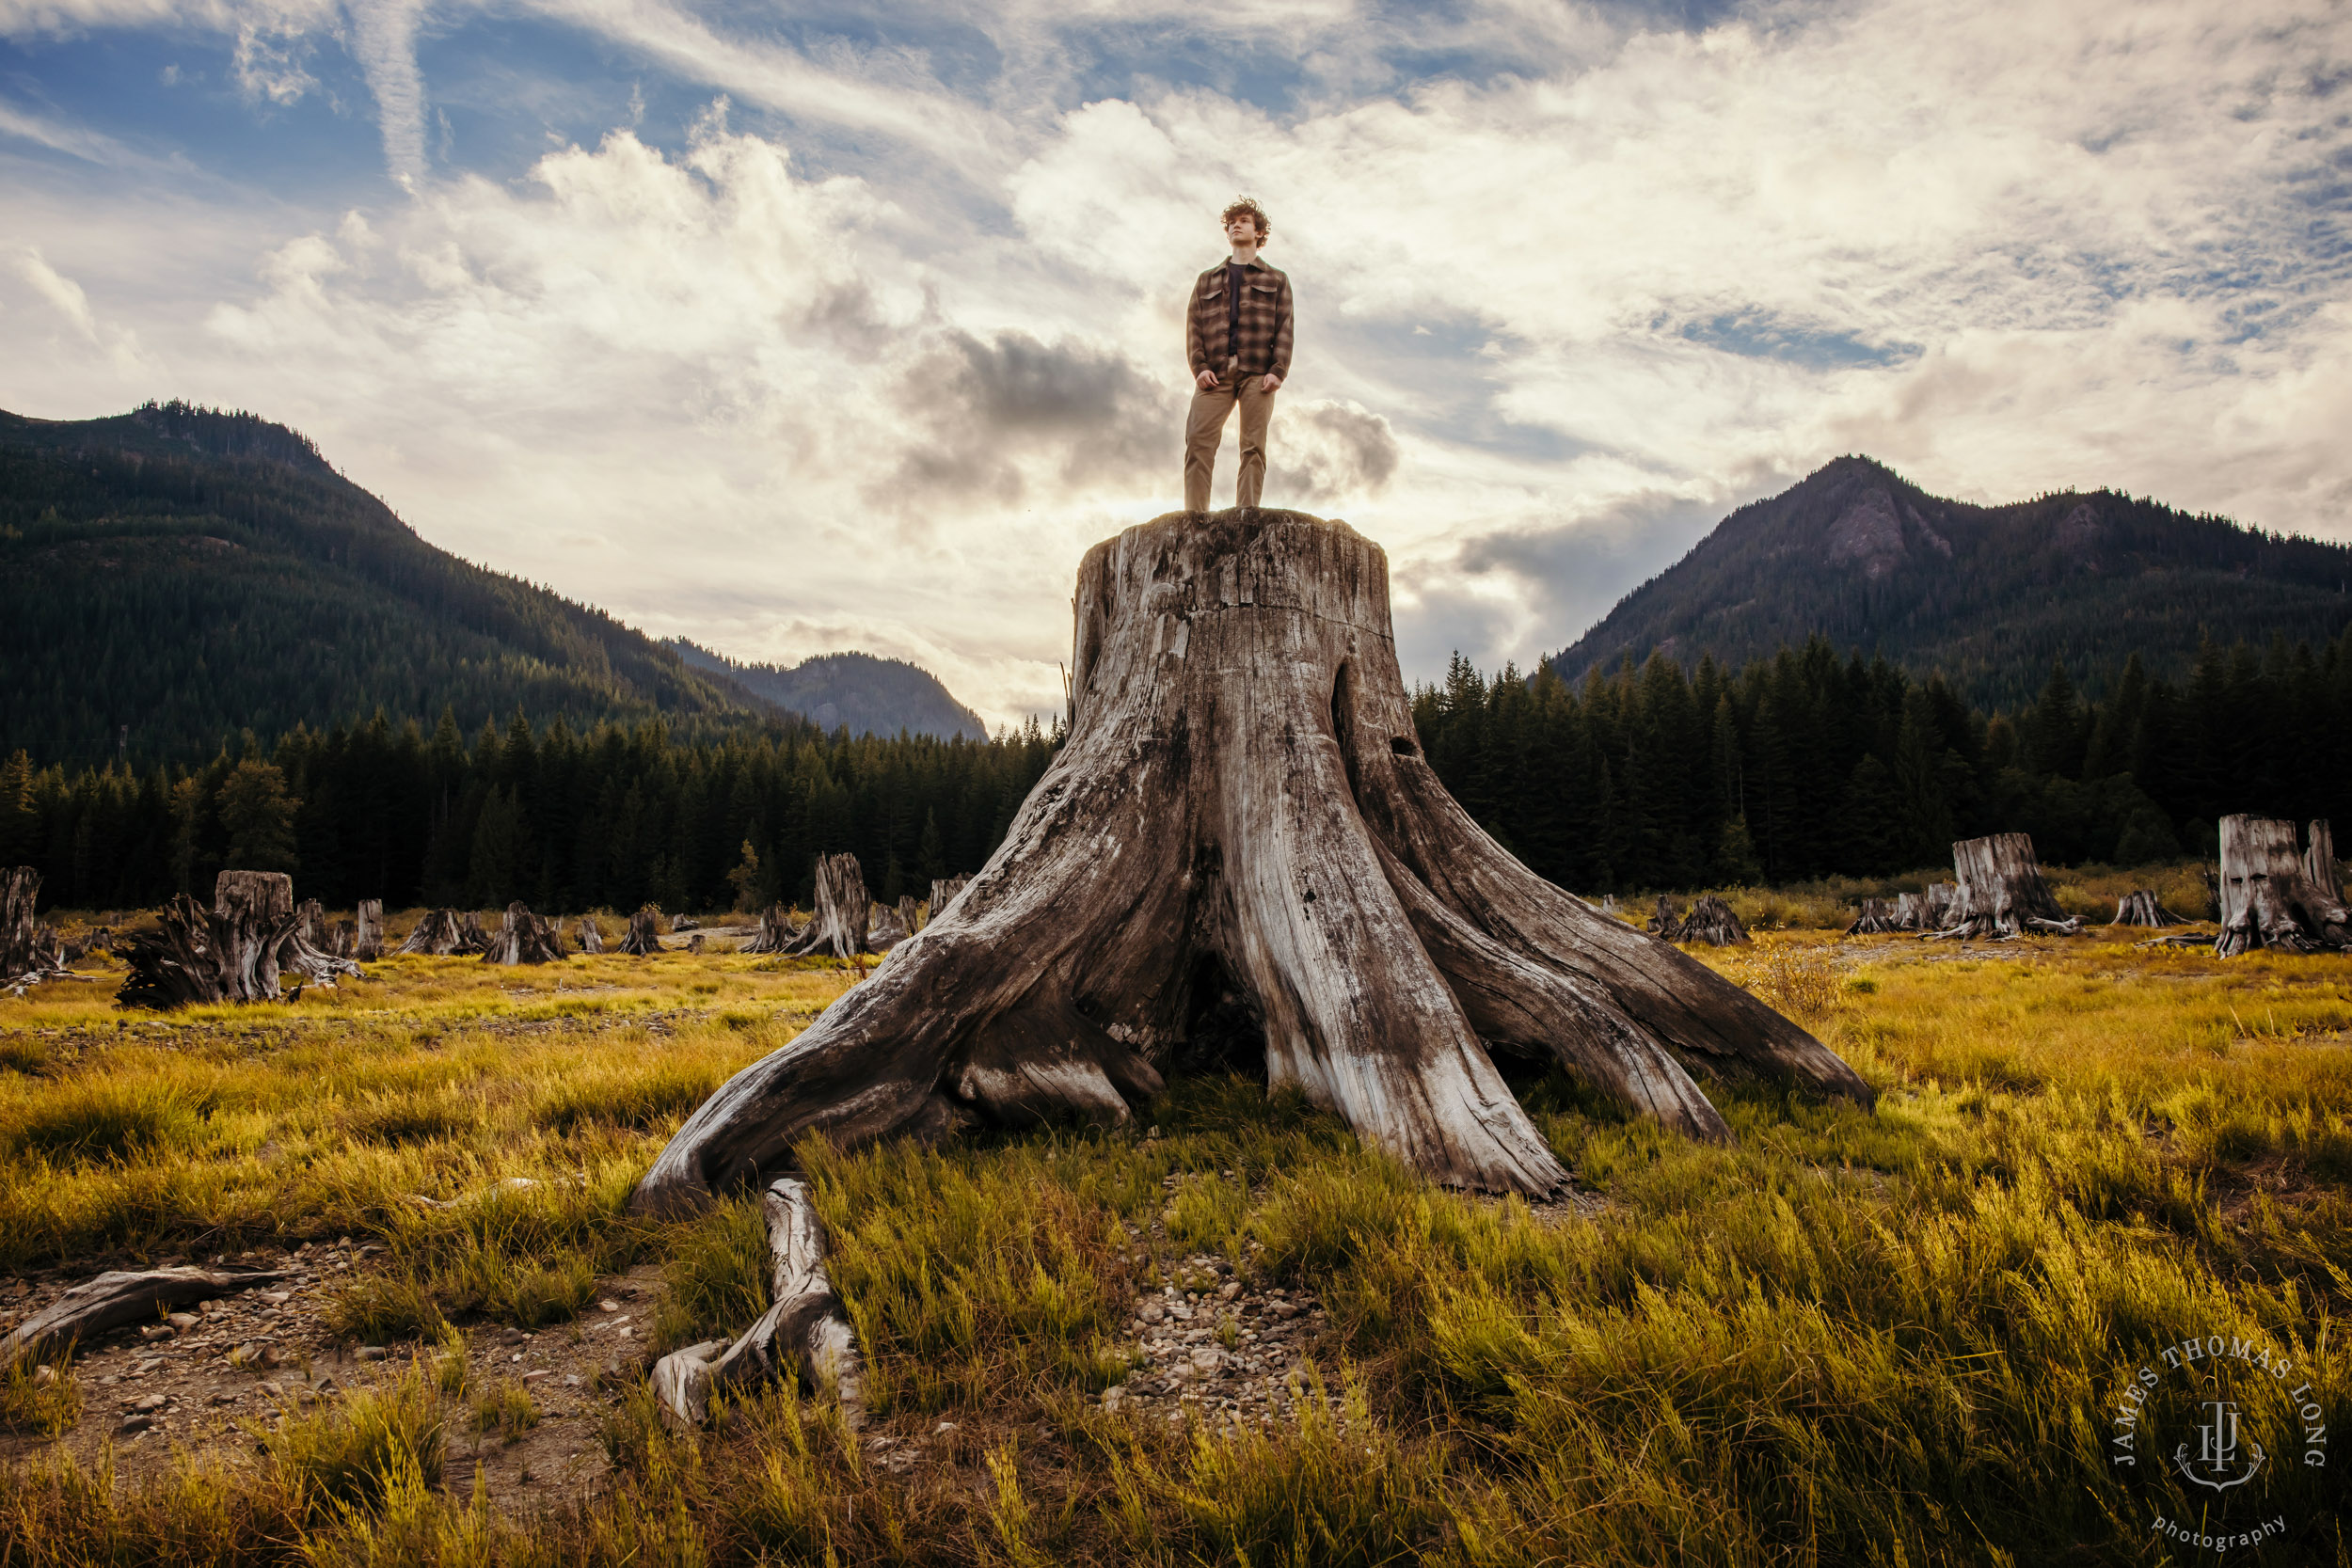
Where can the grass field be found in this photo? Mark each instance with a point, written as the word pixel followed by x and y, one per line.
pixel 1886 1337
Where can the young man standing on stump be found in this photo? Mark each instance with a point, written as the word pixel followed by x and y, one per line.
pixel 1237 339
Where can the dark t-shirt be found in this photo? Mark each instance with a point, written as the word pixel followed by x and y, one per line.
pixel 1236 278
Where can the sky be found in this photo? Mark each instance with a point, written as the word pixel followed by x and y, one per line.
pixel 795 328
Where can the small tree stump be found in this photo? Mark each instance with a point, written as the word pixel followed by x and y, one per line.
pixel 310 951
pixel 842 923
pixel 644 938
pixel 944 891
pixel 2139 908
pixel 1876 917
pixel 2268 895
pixel 1666 924
pixel 232 953
pixel 591 939
pixel 776 932
pixel 447 933
pixel 1242 808
pixel 30 952
pixel 694 944
pixel 1710 921
pixel 525 939
pixel 2002 895
pixel 367 942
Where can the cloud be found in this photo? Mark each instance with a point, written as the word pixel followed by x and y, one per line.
pixel 62 292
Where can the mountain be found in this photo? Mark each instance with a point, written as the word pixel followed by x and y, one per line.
pixel 172 576
pixel 1988 594
pixel 872 696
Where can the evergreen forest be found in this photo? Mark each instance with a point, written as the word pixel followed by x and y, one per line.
pixel 1801 766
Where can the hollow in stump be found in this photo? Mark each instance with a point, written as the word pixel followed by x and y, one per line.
pixel 1242 808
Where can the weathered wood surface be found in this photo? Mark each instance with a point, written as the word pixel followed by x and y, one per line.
pixel 1665 922
pixel 1242 807
pixel 447 933
pixel 2319 860
pixel 309 952
pixel 30 952
pixel 591 939
pixel 2002 895
pixel 113 1299
pixel 775 934
pixel 803 1334
pixel 644 938
pixel 1875 917
pixel 2141 908
pixel 1712 922
pixel 1928 910
pixel 843 924
pixel 2268 895
pixel 233 951
pixel 523 938
pixel 944 891
pixel 367 943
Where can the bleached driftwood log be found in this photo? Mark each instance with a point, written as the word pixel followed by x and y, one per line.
pixel 804 1333
pixel 944 891
pixel 112 1299
pixel 1874 917
pixel 367 941
pixel 1712 922
pixel 447 933
pixel 525 939
pixel 235 952
pixel 2268 895
pixel 775 931
pixel 1242 808
pixel 2002 895
pixel 644 938
pixel 842 923
pixel 591 939
pixel 2141 908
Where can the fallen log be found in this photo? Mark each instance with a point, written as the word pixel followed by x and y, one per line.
pixel 2141 908
pixel 525 939
pixel 118 1298
pixel 776 932
pixel 2269 897
pixel 1242 808
pixel 1712 921
pixel 643 939
pixel 2002 895
pixel 803 1334
pixel 842 923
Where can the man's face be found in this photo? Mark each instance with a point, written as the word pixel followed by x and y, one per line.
pixel 1241 228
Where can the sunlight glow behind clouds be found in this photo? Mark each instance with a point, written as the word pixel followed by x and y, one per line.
pixel 861 359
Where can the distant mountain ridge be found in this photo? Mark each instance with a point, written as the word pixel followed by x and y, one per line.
pixel 870 695
pixel 1988 594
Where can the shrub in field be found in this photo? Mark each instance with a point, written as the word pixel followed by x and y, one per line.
pixel 353 1451
pixel 506 1409
pixel 95 1121
pixel 38 1398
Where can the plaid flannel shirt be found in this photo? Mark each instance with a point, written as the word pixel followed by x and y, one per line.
pixel 1266 323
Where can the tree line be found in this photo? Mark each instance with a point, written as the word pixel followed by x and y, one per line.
pixel 1803 765
pixel 1806 764
pixel 612 817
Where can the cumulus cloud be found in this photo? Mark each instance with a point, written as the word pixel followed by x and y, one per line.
pixel 873 359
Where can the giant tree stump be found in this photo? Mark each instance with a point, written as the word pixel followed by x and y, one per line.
pixel 30 952
pixel 843 925
pixel 2002 895
pixel 1242 807
pixel 2269 897
pixel 525 939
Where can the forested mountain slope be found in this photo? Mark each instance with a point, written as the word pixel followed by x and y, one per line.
pixel 173 576
pixel 870 695
pixel 1988 595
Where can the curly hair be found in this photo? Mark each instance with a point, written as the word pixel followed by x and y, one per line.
pixel 1257 215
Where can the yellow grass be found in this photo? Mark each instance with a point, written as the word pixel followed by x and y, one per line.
pixel 1885 1335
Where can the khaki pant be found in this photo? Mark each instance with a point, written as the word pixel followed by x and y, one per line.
pixel 1204 427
